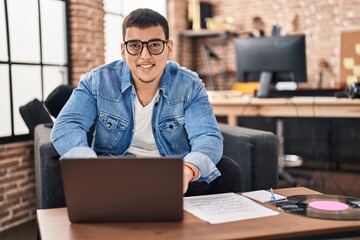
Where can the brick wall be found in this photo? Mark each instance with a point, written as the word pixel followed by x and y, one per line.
pixel 178 22
pixel 17 184
pixel 87 36
pixel 320 21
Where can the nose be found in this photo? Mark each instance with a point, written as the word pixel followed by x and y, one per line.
pixel 145 52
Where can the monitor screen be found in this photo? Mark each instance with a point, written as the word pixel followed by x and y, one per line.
pixel 282 56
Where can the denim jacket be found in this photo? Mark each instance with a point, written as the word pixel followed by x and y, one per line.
pixel 183 122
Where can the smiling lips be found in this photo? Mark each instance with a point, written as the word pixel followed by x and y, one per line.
pixel 146 66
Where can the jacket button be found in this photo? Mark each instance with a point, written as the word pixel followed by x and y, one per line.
pixel 108 124
pixel 171 126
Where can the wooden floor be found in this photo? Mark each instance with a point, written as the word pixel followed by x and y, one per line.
pixel 329 182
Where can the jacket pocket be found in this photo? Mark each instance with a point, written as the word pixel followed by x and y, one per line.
pixel 172 123
pixel 109 130
pixel 174 135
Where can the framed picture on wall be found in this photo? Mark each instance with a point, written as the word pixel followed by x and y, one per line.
pixel 349 56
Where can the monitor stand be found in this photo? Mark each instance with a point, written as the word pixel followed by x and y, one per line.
pixel 265 81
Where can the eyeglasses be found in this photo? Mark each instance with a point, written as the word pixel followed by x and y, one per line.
pixel 154 46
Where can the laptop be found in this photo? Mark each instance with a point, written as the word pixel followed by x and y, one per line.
pixel 123 189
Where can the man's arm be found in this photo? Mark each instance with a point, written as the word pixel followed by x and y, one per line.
pixel 204 134
pixel 69 133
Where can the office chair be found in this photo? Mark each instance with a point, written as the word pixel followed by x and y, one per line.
pixel 34 113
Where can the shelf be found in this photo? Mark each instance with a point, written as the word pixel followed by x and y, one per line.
pixel 206 33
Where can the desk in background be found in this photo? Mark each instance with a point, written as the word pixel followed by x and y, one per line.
pixel 334 119
pixel 54 224
pixel 315 107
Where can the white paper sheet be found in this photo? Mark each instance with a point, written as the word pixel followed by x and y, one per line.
pixel 226 207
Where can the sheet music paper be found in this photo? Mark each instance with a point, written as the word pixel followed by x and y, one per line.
pixel 226 207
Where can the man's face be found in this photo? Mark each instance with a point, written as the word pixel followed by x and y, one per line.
pixel 146 67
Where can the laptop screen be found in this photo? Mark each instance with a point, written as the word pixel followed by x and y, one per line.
pixel 123 189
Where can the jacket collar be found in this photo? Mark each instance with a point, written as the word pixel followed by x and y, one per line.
pixel 125 77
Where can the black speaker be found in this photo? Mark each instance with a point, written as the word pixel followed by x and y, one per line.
pixel 354 90
pixel 205 12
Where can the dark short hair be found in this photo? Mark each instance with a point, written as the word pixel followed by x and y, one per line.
pixel 144 18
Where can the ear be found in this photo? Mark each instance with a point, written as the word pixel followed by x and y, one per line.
pixel 170 48
pixel 123 51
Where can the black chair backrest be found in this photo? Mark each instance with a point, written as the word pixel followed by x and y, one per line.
pixel 57 99
pixel 34 113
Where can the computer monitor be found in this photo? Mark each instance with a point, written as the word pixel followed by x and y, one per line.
pixel 275 59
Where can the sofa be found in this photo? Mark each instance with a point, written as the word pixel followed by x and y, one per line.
pixel 253 150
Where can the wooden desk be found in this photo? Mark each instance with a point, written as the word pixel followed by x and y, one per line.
pixel 314 107
pixel 54 224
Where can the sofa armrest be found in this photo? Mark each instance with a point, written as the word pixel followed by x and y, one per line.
pixel 256 153
pixel 49 188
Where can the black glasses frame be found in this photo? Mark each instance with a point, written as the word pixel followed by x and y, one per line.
pixel 147 46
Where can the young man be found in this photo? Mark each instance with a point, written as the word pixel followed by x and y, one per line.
pixel 143 105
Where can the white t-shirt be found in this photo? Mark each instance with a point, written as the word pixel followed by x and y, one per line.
pixel 143 143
